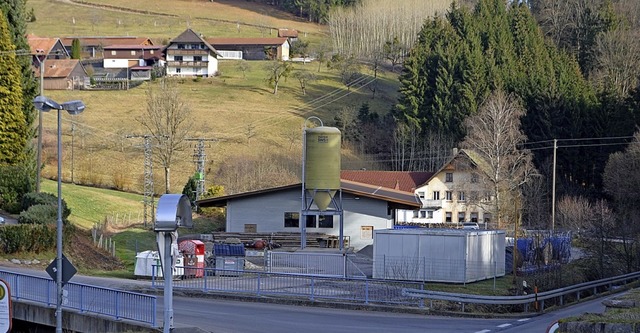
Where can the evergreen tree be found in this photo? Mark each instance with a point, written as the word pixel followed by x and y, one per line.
pixel 13 128
pixel 75 49
pixel 15 14
pixel 457 62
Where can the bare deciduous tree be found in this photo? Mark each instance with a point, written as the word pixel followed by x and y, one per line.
pixel 276 70
pixel 304 77
pixel 168 119
pixel 495 134
pixel 573 213
pixel 618 61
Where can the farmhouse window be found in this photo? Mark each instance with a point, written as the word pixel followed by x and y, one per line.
pixel 181 46
pixel 448 177
pixel 436 195
pixel 429 214
pixel 178 58
pixel 447 217
pixel 423 214
pixel 448 195
pixel 487 217
pixel 421 195
pixel 113 52
pixel 474 217
pixel 133 52
pixel 325 221
pixel 291 219
pixel 461 216
pixel 461 196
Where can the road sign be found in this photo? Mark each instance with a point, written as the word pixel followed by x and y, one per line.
pixel 6 315
pixel 68 270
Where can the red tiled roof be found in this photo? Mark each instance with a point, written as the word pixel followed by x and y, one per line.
pixel 398 180
pixel 293 33
pixel 246 41
pixel 41 45
pixel 57 68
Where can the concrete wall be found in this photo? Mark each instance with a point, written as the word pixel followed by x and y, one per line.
pixel 74 321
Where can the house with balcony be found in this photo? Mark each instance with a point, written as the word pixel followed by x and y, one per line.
pixel 455 194
pixel 191 55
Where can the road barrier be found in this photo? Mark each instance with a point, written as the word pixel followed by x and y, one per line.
pixel 114 303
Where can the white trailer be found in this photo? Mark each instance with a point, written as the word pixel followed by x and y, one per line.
pixel 438 255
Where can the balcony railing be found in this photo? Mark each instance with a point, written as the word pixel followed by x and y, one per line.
pixel 430 203
pixel 188 63
pixel 187 52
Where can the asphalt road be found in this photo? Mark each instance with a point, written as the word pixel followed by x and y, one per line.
pixel 226 316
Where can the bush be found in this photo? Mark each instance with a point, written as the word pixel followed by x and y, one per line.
pixel 27 238
pixel 39 214
pixel 33 198
pixel 15 182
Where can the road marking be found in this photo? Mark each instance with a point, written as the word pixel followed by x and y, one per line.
pixel 524 319
pixel 504 325
pixel 484 331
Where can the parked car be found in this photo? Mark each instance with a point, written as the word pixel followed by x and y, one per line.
pixel 553 327
pixel 470 226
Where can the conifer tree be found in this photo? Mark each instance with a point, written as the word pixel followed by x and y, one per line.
pixel 15 13
pixel 13 128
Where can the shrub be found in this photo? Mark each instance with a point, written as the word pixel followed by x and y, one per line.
pixel 15 181
pixel 33 198
pixel 27 238
pixel 39 214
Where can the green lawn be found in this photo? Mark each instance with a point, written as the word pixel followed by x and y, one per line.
pixel 91 205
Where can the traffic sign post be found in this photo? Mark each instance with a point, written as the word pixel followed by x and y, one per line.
pixel 68 270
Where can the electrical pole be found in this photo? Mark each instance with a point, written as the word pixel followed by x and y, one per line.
pixel 148 178
pixel 200 158
pixel 553 188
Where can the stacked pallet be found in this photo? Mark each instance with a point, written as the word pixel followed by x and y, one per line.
pixel 284 239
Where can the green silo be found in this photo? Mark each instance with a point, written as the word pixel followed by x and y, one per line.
pixel 322 163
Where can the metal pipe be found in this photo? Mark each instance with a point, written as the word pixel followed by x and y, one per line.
pixel 59 231
pixel 39 148
pixel 168 284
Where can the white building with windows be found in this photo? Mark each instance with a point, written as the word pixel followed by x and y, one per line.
pixel 366 208
pixel 190 55
pixel 456 193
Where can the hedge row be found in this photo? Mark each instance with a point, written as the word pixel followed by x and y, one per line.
pixel 27 238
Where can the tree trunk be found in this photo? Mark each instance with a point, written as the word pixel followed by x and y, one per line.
pixel 167 174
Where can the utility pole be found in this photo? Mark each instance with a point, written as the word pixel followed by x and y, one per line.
pixel 148 212
pixel 200 158
pixel 553 188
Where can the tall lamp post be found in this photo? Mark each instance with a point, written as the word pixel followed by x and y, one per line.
pixel 45 104
pixel 39 148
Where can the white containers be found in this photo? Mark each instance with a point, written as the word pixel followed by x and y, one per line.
pixel 438 255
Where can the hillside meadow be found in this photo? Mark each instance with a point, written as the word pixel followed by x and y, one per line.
pixel 241 115
pixel 57 18
pixel 248 129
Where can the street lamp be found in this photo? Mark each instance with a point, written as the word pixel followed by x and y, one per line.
pixel 39 157
pixel 45 104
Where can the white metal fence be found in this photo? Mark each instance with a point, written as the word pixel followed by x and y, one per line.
pixel 317 264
